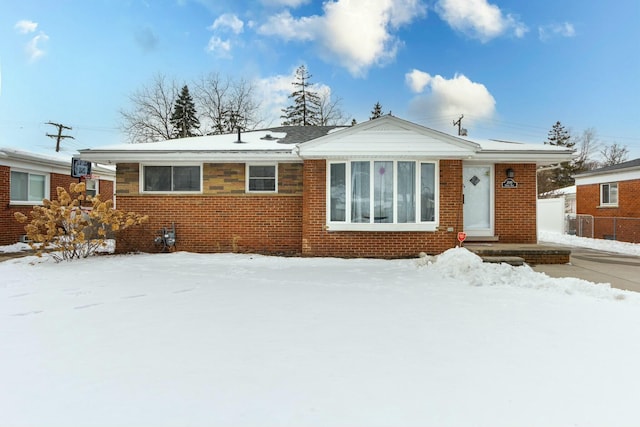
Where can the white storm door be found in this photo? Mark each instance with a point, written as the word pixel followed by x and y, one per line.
pixel 478 200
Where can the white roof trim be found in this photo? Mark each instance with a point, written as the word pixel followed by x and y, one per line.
pixel 613 176
pixel 59 163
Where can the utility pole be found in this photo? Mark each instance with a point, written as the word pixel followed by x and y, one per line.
pixel 59 137
pixel 461 131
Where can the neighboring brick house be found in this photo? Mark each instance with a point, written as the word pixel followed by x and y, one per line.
pixel 28 178
pixel 612 196
pixel 383 188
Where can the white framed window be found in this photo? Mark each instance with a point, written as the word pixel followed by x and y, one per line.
pixel 262 178
pixel 171 179
pixel 28 187
pixel 609 194
pixel 392 195
pixel 91 187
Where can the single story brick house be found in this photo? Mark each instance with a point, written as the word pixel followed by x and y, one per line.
pixel 611 195
pixel 27 178
pixel 383 188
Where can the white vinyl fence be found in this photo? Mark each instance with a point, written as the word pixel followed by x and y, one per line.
pixel 551 216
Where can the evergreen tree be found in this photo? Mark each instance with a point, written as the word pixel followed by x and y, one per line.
pixel 377 111
pixel 184 117
pixel 560 176
pixel 306 103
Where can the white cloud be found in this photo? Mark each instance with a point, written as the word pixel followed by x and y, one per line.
pixel 441 99
pixel 33 48
pixel 25 26
pixel 274 92
pixel 479 19
pixel 285 26
pixel 565 29
pixel 356 34
pixel 219 47
pixel 228 21
pixel 417 80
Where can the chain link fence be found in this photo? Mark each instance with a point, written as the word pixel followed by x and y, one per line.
pixel 597 227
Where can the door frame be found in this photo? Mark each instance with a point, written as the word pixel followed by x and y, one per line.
pixel 489 232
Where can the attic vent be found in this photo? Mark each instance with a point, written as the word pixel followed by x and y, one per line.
pixel 239 140
pixel 268 137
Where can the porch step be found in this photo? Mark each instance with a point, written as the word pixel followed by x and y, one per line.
pixel 531 253
pixel 476 239
pixel 511 260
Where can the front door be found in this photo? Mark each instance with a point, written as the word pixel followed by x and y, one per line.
pixel 478 200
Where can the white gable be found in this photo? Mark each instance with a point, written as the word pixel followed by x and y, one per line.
pixel 385 137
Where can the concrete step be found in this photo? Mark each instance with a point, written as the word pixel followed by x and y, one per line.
pixel 511 260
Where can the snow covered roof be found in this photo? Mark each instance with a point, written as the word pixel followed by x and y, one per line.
pixel 387 136
pixel 278 143
pixel 626 171
pixel 56 162
pixel 630 165
pixel 566 191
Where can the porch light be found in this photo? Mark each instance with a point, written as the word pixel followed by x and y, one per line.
pixel 510 173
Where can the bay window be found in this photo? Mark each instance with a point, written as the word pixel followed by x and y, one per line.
pixel 370 194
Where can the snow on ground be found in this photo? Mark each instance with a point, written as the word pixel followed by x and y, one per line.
pixel 15 248
pixel 585 242
pixel 243 340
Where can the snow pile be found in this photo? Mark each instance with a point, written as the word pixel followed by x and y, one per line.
pixel 16 247
pixel 463 266
pixel 585 242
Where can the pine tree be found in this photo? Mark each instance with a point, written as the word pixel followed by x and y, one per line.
pixel 184 117
pixel 560 176
pixel 304 111
pixel 377 111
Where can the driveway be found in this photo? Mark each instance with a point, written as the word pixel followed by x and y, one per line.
pixel 621 271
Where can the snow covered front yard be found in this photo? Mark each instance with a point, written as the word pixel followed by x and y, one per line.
pixel 243 340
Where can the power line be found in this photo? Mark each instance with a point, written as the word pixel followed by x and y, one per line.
pixel 59 137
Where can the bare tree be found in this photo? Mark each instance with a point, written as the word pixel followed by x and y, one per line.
pixel 149 119
pixel 587 144
pixel 329 111
pixel 614 154
pixel 227 104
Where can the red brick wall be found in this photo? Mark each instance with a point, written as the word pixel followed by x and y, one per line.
pixel 317 241
pixel 604 226
pixel 588 200
pixel 269 224
pixel 295 223
pixel 223 218
pixel 515 208
pixel 10 229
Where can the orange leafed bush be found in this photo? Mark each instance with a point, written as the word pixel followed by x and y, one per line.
pixel 68 230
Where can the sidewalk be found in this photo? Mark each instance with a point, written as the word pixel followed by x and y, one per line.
pixel 621 271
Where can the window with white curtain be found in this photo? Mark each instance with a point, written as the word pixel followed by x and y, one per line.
pixel 372 192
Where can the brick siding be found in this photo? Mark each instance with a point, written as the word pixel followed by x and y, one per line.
pixel 10 229
pixel 293 221
pixel 222 219
pixel 588 203
pixel 515 208
pixel 317 241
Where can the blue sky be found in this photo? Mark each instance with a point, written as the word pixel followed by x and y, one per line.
pixel 512 68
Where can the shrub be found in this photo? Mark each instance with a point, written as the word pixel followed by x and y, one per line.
pixel 68 230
